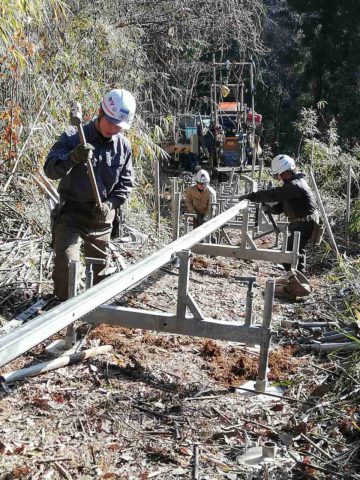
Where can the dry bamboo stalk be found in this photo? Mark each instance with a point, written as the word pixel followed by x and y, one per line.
pixel 316 467
pixel 323 212
pixel 32 129
pixel 53 196
pixel 326 454
pixel 53 364
pixel 62 470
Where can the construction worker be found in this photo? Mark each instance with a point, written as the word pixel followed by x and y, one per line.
pixel 198 197
pixel 295 199
pixel 78 217
pixel 210 145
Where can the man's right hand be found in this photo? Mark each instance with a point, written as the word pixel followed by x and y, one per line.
pixel 243 197
pixel 81 153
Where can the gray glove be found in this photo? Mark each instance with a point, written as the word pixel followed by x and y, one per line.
pixel 101 213
pixel 81 153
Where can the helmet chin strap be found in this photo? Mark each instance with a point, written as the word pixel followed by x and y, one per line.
pixel 286 175
pixel 101 114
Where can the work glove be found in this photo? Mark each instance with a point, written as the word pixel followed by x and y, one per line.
pixel 200 218
pixel 243 197
pixel 101 213
pixel 81 153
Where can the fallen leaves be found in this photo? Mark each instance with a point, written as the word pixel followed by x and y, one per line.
pixel 21 472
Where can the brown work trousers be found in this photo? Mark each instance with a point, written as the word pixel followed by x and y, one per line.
pixel 71 228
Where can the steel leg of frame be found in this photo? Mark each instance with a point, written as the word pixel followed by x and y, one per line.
pixel 262 380
pixel 249 314
pixel 184 272
pixel 70 337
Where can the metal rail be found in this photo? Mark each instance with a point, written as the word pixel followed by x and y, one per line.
pixel 31 334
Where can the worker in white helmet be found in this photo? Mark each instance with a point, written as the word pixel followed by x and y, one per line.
pixel 78 217
pixel 294 198
pixel 199 197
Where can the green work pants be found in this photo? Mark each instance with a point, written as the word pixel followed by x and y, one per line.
pixel 71 228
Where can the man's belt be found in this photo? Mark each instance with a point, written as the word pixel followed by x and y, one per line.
pixel 83 208
pixel 314 217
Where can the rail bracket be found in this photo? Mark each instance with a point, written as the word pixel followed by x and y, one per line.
pixel 59 348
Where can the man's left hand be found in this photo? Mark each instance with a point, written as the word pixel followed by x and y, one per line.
pixel 101 213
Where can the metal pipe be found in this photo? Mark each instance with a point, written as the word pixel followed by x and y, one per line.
pixel 231 177
pixel 89 275
pixel 70 337
pixel 174 208
pixel 249 314
pixel 215 119
pixel 331 347
pixel 296 245
pixel 31 334
pixel 253 117
pixel 157 193
pixel 269 450
pixel 261 380
pixel 184 272
pixel 176 216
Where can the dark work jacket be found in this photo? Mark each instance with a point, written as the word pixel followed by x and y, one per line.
pixel 111 161
pixel 294 198
pixel 209 139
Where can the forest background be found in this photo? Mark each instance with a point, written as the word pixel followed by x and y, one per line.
pixel 305 53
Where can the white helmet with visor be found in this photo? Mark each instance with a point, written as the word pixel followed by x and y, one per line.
pixel 119 107
pixel 281 164
pixel 203 177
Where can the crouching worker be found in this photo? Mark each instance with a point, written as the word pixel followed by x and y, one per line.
pixel 79 217
pixel 198 197
pixel 295 199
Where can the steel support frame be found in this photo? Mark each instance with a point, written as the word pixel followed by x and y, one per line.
pixel 41 328
pixel 248 250
pixel 194 323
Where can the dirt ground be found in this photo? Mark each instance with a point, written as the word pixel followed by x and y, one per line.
pixel 144 410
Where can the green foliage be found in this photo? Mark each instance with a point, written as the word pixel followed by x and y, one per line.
pixel 331 38
pixel 307 124
pixel 313 56
pixel 348 383
pixel 330 162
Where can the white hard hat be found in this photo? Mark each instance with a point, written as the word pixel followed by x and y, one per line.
pixel 282 163
pixel 119 107
pixel 202 176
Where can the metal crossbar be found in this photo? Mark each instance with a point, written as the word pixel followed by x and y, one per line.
pixel 195 324
pixel 31 334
